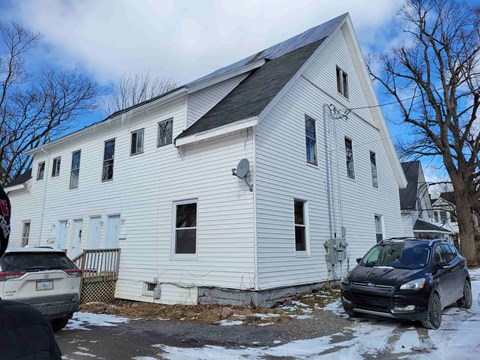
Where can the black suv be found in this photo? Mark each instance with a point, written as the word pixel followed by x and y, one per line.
pixel 411 279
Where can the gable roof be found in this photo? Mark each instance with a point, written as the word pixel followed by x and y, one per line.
pixel 255 92
pixel 449 196
pixel 20 179
pixel 423 226
pixel 408 195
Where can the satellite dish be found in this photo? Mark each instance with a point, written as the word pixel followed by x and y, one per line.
pixel 242 171
pixel 242 168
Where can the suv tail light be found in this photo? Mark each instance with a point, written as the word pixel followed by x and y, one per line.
pixel 8 275
pixel 74 272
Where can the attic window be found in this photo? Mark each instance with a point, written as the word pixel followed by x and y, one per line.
pixel 342 82
pixel 41 170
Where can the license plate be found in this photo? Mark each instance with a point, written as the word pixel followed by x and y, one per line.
pixel 45 285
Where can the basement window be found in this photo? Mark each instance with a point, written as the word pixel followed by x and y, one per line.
pixel 342 82
pixel 186 227
pixel 149 288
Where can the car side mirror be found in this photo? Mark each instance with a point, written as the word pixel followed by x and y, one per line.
pixel 358 260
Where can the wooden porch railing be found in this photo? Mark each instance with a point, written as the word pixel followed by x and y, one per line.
pixel 98 264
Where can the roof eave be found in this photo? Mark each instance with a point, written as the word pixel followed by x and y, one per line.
pixel 213 133
pixel 162 100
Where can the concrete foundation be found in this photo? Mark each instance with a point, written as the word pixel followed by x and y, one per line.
pixel 252 298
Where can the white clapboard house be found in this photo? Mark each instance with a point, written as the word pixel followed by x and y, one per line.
pixel 243 186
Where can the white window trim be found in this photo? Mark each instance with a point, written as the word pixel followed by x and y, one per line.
pixel 59 158
pixel 354 178
pixel 143 142
pixel 382 223
pixel 306 252
pixel 339 70
pixel 173 254
pixel 38 172
pixel 376 169
pixel 103 159
pixel 305 118
pixel 158 133
pixel 72 169
pixel 23 230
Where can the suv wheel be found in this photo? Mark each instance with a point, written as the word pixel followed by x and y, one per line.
pixel 466 300
pixel 59 324
pixel 434 314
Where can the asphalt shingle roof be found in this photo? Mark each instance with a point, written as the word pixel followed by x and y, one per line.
pixel 421 225
pixel 408 196
pixel 21 179
pixel 255 92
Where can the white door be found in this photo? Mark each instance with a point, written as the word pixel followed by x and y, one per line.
pixel 113 231
pixel 94 233
pixel 76 244
pixel 61 242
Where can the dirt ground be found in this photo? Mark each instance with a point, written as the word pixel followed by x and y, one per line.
pixel 292 308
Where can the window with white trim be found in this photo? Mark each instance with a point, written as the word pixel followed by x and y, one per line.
pixel 108 158
pixel 56 166
pixel 311 140
pixel 379 227
pixel 349 158
pixel 300 225
pixel 75 171
pixel 136 146
pixel 41 170
pixel 186 227
pixel 25 233
pixel 373 165
pixel 165 132
pixel 342 82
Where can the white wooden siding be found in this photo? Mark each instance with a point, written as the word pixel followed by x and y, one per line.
pixel 142 192
pixel 282 175
pixel 202 101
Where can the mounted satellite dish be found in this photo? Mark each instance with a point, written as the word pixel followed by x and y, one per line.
pixel 242 171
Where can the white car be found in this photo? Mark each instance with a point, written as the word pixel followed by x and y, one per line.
pixel 43 278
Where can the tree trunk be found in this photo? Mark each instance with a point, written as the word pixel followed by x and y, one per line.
pixel 465 221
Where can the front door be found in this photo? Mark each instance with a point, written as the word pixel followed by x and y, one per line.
pixel 76 244
pixel 94 233
pixel 61 242
pixel 113 232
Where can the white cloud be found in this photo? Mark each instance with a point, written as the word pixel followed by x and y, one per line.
pixel 183 39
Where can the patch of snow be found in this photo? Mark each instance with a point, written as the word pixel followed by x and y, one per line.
pixel 277 341
pixel 264 316
pixel 83 354
pixel 265 324
pixel 230 322
pixel 144 358
pixel 81 320
pixel 301 317
pixel 408 341
pixel 299 303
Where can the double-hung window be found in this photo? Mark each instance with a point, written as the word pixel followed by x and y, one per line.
pixel 41 170
pixel 373 165
pixel 349 158
pixel 379 227
pixel 56 166
pixel 136 146
pixel 342 82
pixel 186 227
pixel 300 226
pixel 25 233
pixel 75 171
pixel 311 140
pixel 165 132
pixel 108 157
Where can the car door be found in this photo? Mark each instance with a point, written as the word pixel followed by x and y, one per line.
pixel 443 276
pixel 458 264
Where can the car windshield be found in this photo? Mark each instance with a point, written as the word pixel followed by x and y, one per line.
pixel 401 255
pixel 36 261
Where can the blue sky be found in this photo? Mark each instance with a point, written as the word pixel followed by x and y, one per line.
pixel 186 39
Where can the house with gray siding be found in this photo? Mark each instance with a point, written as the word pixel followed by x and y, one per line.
pixel 264 178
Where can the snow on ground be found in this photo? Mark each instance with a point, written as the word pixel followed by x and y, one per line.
pixel 81 320
pixel 457 338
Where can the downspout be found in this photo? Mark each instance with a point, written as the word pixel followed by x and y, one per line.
pixel 254 181
pixel 47 167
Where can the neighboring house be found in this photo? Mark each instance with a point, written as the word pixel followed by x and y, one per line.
pixel 156 179
pixel 444 213
pixel 416 205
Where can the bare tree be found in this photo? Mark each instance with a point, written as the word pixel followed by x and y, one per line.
pixel 434 77
pixel 134 89
pixel 34 108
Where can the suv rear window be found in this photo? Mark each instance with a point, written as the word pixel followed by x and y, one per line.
pixel 25 261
